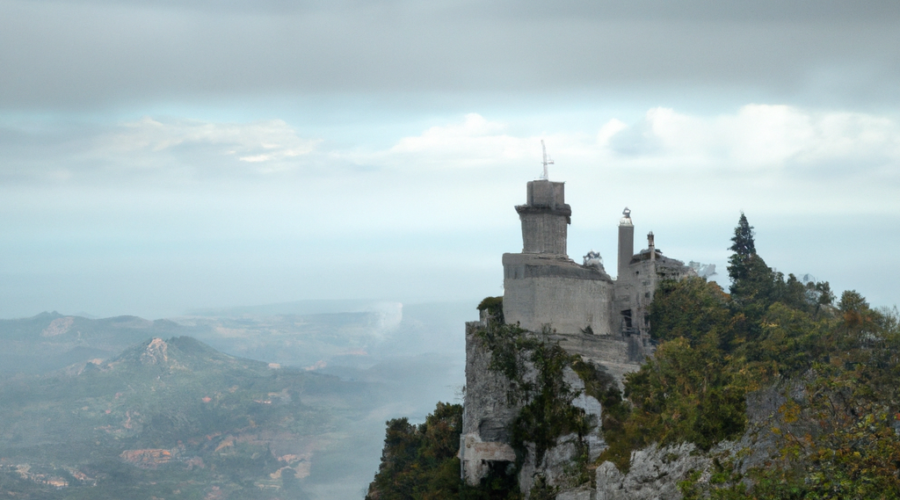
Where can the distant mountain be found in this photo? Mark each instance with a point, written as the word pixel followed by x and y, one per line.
pixel 50 341
pixel 292 340
pixel 385 359
pixel 169 419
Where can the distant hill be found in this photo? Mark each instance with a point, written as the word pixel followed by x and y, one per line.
pixel 167 419
pixel 395 359
pixel 50 341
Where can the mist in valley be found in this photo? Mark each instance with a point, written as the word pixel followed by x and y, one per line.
pixel 361 363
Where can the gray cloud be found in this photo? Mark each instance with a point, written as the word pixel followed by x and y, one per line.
pixel 88 54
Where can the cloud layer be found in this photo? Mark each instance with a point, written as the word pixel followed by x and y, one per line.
pixel 89 54
pixel 755 139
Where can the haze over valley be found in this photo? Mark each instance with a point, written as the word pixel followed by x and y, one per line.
pixel 172 408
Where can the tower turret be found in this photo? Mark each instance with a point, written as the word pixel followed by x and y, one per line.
pixel 544 218
pixel 626 242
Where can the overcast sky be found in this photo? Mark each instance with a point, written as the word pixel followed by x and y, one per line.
pixel 161 156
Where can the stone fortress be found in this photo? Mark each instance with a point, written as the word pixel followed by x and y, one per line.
pixel 586 310
pixel 579 306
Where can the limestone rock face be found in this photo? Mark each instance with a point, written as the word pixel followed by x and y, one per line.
pixel 579 494
pixel 655 471
pixel 556 466
pixel 488 412
pixel 156 353
pixel 654 474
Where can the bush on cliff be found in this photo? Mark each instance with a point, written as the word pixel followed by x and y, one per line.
pixel 420 462
pixel 493 308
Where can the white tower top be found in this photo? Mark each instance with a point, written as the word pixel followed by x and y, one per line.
pixel 626 218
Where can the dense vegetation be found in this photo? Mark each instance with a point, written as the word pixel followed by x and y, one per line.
pixel 833 367
pixel 419 461
pixel 837 431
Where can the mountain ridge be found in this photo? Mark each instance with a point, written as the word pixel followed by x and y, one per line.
pixel 183 419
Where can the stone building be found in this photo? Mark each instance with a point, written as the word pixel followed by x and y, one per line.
pixel 542 286
pixel 545 289
pixel 577 305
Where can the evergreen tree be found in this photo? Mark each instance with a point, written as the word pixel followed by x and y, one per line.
pixel 743 247
pixel 825 296
pixel 752 281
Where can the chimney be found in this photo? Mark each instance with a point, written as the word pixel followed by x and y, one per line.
pixel 651 245
pixel 626 242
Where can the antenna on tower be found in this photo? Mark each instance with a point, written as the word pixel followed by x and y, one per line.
pixel 547 161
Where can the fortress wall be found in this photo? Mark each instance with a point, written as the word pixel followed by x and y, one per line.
pixel 567 305
pixel 626 248
pixel 552 290
pixel 545 193
pixel 596 348
pixel 635 288
pixel 616 354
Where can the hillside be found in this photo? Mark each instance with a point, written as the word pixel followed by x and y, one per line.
pixel 401 357
pixel 169 419
pixel 50 341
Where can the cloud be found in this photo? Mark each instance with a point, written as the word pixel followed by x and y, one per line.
pixel 162 208
pixel 103 54
pixel 755 138
pixel 758 137
pixel 472 143
pixel 271 144
pixel 152 148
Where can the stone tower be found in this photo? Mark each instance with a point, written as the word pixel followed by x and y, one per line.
pixel 626 242
pixel 544 217
pixel 542 287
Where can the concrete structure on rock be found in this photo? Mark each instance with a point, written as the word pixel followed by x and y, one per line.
pixel 544 288
pixel 577 305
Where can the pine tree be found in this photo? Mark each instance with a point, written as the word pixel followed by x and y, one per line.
pixel 744 248
pixel 751 278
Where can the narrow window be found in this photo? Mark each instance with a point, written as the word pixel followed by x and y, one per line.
pixel 626 318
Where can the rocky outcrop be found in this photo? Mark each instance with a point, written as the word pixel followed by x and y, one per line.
pixel 564 467
pixel 654 474
pixel 488 411
pixel 491 406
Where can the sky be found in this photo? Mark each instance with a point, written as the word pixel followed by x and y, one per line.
pixel 158 157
